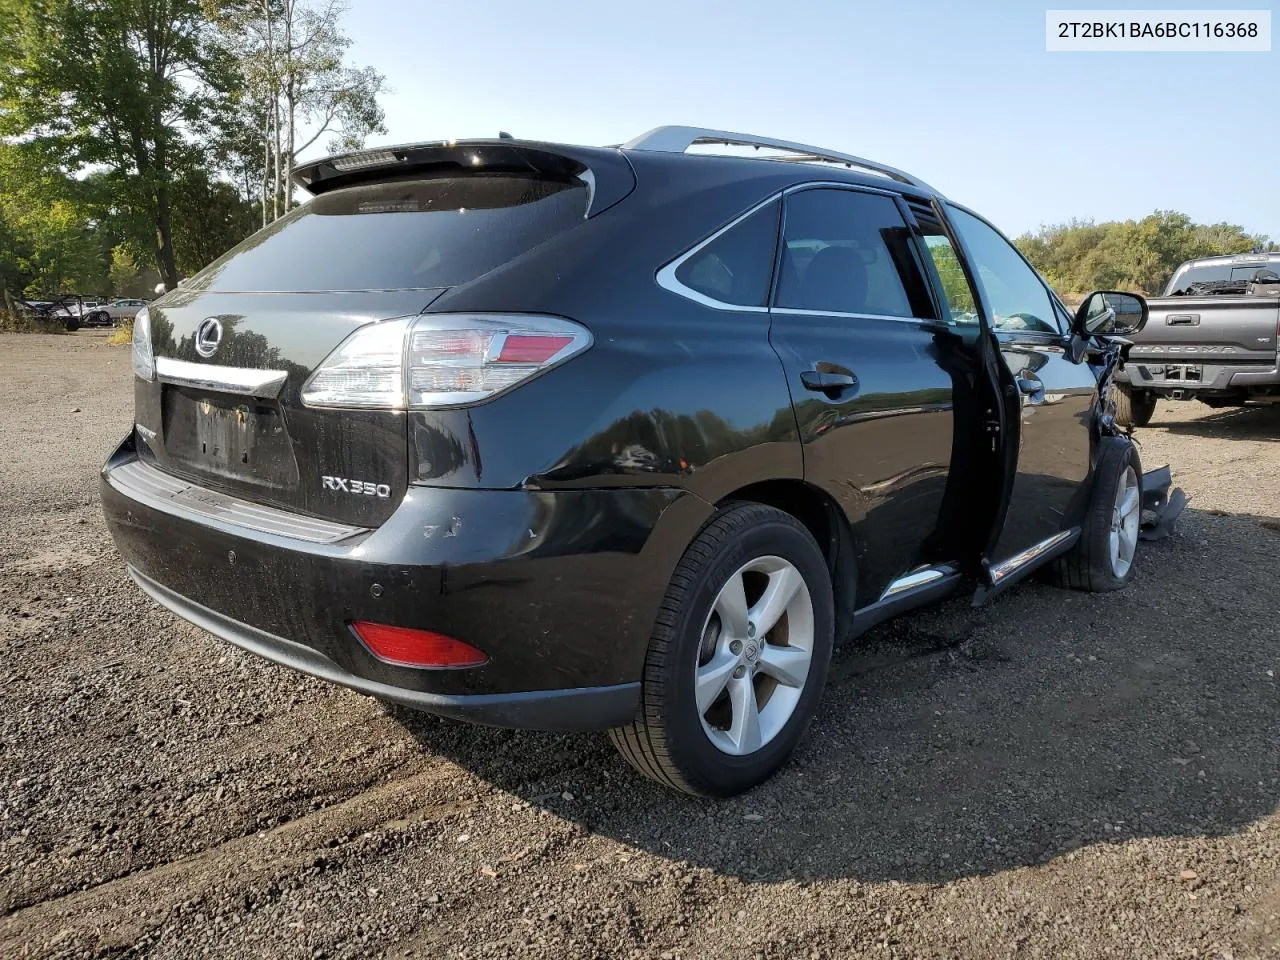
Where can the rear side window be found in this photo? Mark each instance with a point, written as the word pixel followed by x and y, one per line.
pixel 849 252
pixel 410 233
pixel 737 266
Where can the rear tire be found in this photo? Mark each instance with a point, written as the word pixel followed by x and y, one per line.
pixel 1103 558
pixel 728 686
pixel 1133 408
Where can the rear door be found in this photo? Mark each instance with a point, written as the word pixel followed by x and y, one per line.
pixel 1054 397
pixel 235 344
pixel 855 327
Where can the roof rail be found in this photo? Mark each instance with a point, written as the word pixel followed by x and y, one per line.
pixel 680 139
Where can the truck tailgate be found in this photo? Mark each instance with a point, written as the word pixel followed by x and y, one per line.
pixel 1229 330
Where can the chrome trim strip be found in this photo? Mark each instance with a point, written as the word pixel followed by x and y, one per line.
pixel 914 580
pixel 666 276
pixel 1024 557
pixel 839 185
pixel 798 312
pixel 589 178
pixel 677 139
pixel 209 376
pixel 169 494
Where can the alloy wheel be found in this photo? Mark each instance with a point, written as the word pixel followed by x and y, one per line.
pixel 1125 517
pixel 755 655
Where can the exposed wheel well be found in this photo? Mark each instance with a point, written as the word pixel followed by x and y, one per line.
pixel 824 519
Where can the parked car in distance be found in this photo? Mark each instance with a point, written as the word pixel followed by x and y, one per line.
pixel 1214 336
pixel 617 438
pixel 112 313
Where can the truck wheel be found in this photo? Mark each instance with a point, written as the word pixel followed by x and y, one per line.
pixel 1103 557
pixel 72 324
pixel 1133 408
pixel 738 656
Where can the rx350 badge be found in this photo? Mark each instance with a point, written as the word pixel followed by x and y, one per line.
pixel 359 487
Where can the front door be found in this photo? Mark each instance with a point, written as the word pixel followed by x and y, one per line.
pixel 865 356
pixel 1055 396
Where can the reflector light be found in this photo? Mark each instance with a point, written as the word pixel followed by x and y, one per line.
pixel 406 647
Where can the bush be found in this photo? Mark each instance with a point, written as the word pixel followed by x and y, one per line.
pixel 22 322
pixel 122 335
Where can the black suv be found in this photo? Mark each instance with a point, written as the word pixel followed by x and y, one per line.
pixel 615 438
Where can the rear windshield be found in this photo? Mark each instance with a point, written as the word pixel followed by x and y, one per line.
pixel 412 233
pixel 1217 273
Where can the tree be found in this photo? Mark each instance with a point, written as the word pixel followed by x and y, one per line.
pixel 49 242
pixel 129 85
pixel 1080 256
pixel 297 88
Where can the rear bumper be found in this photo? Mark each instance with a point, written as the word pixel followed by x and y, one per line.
pixel 559 589
pixel 576 709
pixel 1166 375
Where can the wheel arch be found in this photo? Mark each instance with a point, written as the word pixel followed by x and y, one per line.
pixel 826 522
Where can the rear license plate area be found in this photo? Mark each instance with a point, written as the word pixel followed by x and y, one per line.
pixel 239 438
pixel 1182 372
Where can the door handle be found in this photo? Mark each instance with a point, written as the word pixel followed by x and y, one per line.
pixel 826 381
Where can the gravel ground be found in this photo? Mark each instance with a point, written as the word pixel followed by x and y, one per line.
pixel 1057 775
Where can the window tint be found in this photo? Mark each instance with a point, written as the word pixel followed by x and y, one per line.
pixel 1018 298
pixel 736 266
pixel 409 233
pixel 849 252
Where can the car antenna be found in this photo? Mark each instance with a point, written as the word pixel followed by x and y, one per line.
pixel 503 135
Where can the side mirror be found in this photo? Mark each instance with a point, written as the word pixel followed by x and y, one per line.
pixel 1110 313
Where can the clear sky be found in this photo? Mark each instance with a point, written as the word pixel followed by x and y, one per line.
pixel 962 94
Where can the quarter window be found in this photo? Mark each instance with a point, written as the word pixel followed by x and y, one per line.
pixel 849 252
pixel 1017 295
pixel 736 266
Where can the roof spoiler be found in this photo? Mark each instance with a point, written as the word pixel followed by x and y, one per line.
pixel 606 172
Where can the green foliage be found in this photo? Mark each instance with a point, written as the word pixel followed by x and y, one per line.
pixel 152 135
pixel 48 243
pixel 131 87
pixel 1081 255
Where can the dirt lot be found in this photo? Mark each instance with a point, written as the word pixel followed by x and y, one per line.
pixel 1058 775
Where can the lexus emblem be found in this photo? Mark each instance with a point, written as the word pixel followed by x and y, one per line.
pixel 208 336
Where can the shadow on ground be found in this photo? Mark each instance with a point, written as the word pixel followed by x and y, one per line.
pixel 1254 422
pixel 955 742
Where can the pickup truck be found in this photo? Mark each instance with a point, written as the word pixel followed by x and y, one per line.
pixel 1211 337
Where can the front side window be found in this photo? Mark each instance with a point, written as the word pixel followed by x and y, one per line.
pixel 1018 299
pixel 849 252
pixel 737 266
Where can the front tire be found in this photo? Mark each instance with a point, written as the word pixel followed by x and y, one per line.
pixel 1103 558
pixel 738 656
pixel 1133 408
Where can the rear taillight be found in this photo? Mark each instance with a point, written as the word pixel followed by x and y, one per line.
pixel 406 647
pixel 144 364
pixel 438 360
